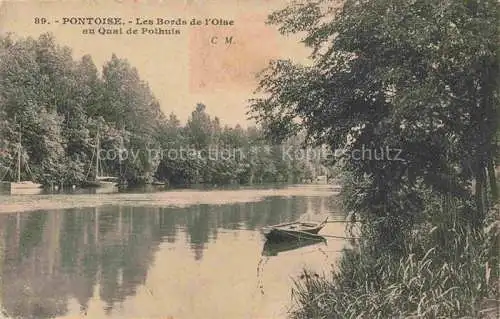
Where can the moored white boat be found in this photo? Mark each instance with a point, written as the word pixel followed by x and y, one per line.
pixel 25 185
pixel 98 180
pixel 19 186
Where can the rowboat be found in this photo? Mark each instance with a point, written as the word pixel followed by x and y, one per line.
pixel 158 183
pixel 294 231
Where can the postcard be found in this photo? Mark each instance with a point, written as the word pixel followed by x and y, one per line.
pixel 258 159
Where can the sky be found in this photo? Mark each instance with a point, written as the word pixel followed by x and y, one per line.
pixel 183 69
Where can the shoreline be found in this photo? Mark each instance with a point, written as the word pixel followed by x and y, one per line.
pixel 178 198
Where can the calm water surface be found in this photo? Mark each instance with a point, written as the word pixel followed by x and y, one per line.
pixel 176 255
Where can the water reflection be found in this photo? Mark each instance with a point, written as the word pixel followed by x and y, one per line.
pixel 52 258
pixel 273 248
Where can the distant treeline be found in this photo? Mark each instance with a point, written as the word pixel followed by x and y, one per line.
pixel 58 107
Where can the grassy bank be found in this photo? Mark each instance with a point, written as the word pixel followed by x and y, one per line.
pixel 447 272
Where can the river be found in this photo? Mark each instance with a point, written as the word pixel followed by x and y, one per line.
pixel 173 255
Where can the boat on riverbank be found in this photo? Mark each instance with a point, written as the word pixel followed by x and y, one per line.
pixel 294 231
pixel 20 186
pixel 158 183
pixel 102 181
pixel 98 180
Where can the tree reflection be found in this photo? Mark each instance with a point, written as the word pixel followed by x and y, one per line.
pixel 52 257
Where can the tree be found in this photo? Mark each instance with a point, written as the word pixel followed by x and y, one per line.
pixel 131 107
pixel 393 75
pixel 199 127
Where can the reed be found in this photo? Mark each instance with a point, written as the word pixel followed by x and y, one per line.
pixel 433 280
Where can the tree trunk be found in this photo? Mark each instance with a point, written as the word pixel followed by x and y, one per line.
pixel 492 181
pixel 479 196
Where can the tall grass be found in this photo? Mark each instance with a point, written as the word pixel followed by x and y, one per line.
pixel 448 272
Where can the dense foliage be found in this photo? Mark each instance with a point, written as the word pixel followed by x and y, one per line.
pixel 58 108
pixel 204 152
pixel 419 81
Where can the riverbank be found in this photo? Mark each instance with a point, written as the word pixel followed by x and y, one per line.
pixel 458 279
